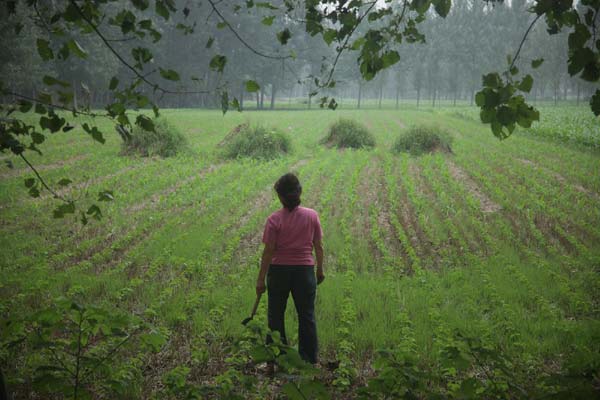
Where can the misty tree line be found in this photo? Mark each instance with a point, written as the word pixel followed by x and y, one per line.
pixel 473 39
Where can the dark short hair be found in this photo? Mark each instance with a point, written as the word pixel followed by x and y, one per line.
pixel 288 187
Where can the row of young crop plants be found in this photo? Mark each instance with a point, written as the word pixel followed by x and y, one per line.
pixel 92 253
pixel 313 178
pixel 515 225
pixel 570 214
pixel 536 191
pixel 347 306
pixel 171 279
pixel 206 292
pixel 574 126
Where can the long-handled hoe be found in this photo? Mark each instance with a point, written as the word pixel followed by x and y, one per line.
pixel 246 320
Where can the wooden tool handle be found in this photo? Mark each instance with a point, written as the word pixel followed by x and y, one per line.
pixel 256 304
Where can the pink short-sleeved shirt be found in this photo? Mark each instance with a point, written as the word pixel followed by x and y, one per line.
pixel 293 233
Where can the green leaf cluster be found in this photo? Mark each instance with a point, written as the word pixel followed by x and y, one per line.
pixel 502 107
pixel 79 346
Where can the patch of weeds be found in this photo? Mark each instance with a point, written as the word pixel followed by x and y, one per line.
pixel 423 139
pixel 256 142
pixel 349 133
pixel 165 141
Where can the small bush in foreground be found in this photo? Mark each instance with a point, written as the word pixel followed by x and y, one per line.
pixel 255 142
pixel 423 139
pixel 349 133
pixel 165 141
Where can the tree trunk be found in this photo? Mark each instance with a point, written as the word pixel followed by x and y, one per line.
pixel 262 98
pixel 257 100
pixel 578 92
pixel 241 100
pixel 397 96
pixel 380 95
pixel 359 93
pixel 3 391
pixel 272 107
pixel 74 95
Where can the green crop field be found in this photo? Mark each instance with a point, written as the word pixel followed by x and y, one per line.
pixel 482 266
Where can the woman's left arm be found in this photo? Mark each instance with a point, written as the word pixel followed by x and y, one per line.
pixel 265 261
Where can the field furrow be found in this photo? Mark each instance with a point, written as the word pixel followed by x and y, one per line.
pixel 487 250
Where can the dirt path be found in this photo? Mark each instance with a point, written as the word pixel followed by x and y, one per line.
pixel 156 197
pixel 11 173
pixel 527 231
pixel 400 124
pixel 408 218
pixel 447 246
pixel 547 227
pixel 370 192
pixel 68 190
pixel 561 179
pixel 487 205
pixel 112 236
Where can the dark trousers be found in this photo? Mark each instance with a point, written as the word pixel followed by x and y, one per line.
pixel 300 280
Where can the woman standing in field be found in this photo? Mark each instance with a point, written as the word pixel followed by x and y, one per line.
pixel 287 262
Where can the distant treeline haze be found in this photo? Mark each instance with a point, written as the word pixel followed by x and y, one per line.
pixel 474 39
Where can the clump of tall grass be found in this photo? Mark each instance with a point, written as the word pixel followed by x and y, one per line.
pixel 349 133
pixel 165 141
pixel 423 139
pixel 256 142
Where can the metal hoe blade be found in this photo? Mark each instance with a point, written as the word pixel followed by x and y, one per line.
pixel 246 320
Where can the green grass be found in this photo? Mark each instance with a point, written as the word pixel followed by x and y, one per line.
pixel 180 244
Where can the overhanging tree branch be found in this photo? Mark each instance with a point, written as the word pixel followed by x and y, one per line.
pixel 143 78
pixel 73 110
pixel 241 39
pixel 344 46
pixel 514 60
pixel 42 181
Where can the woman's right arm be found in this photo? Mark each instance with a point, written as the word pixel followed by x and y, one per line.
pixel 319 253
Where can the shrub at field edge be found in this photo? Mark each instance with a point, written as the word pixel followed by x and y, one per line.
pixel 348 133
pixel 255 142
pixel 165 141
pixel 423 139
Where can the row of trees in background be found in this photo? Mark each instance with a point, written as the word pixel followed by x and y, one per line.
pixel 109 57
pixel 473 39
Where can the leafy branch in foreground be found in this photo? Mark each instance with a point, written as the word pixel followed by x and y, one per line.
pixel 502 106
pixel 299 379
pixel 79 349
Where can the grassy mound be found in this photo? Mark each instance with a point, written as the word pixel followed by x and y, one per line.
pixel 423 139
pixel 349 133
pixel 255 142
pixel 165 141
